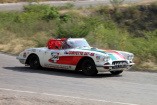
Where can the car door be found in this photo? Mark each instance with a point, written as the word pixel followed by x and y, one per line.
pixel 65 58
pixel 51 57
pixel 56 58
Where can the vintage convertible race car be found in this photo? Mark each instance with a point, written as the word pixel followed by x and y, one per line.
pixel 76 54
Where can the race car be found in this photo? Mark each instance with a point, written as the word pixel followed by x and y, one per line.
pixel 76 54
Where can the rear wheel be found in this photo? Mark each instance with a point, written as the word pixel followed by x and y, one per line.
pixel 116 72
pixel 34 62
pixel 88 67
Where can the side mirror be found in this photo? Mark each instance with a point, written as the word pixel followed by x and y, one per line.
pixel 57 47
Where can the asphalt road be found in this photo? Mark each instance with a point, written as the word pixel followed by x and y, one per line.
pixel 22 85
pixel 83 4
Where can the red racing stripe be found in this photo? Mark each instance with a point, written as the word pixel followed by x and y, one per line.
pixel 120 55
pixel 69 60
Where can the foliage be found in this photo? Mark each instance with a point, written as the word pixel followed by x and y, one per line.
pixel 73 29
pixel 41 39
pixel 118 16
pixel 69 5
pixel 66 6
pixel 132 29
pixel 108 38
pixel 51 13
pixel 14 1
pixel 103 10
pixel 36 8
pixel 116 3
pixel 65 17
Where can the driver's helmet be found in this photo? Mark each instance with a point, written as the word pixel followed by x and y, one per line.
pixel 71 43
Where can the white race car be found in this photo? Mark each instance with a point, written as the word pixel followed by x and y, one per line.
pixel 76 54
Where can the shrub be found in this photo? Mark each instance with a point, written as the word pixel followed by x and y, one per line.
pixel 8 17
pixel 41 39
pixel 65 17
pixel 93 22
pixel 131 13
pixel 37 8
pixel 51 13
pixel 118 16
pixel 108 38
pixel 153 8
pixel 103 10
pixel 73 29
pixel 110 25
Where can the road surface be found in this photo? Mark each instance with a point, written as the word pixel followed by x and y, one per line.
pixel 20 85
pixel 83 4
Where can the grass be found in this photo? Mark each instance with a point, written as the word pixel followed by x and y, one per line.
pixel 15 1
pixel 128 29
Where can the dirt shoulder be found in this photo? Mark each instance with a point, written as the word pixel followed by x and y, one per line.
pixel 7 98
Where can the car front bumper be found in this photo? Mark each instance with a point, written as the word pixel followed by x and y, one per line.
pixel 22 60
pixel 104 68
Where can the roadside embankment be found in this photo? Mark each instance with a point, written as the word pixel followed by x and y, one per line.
pixel 129 28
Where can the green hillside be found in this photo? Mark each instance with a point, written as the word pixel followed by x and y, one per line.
pixel 130 28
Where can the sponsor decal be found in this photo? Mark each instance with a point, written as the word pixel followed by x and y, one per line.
pixel 92 54
pixel 54 57
pixel 58 66
pixel 28 50
pixel 66 52
pixel 33 50
pixel 79 53
pixel 98 57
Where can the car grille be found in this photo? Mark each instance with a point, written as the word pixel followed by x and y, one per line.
pixel 119 64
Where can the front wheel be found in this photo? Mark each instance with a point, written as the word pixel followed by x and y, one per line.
pixel 88 67
pixel 116 72
pixel 34 62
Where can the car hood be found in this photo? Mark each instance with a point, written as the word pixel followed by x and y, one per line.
pixel 114 55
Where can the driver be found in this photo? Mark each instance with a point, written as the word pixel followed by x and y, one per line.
pixel 68 44
pixel 71 44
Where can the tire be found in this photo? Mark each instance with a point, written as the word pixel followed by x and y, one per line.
pixel 116 72
pixel 88 67
pixel 34 62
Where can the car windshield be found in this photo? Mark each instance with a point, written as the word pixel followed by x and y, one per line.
pixel 74 43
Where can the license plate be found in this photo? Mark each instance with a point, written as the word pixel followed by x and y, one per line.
pixel 124 69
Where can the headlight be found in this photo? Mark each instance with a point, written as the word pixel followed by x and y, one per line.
pixel 106 58
pixel 130 57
